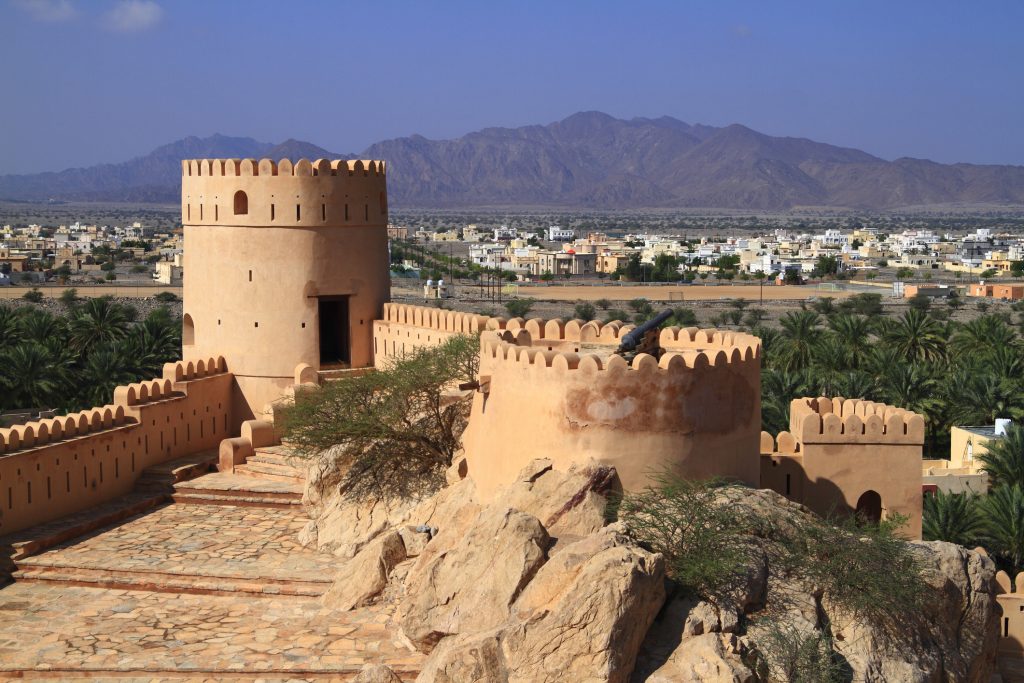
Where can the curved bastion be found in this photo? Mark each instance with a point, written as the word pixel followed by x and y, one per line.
pixel 557 390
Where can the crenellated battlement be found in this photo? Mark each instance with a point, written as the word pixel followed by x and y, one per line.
pixel 516 346
pixel 269 167
pixel 838 420
pixel 265 193
pixel 41 433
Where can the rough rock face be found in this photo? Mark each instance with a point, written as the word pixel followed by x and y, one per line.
pixel 568 503
pixel 955 641
pixel 582 618
pixel 363 577
pixel 471 586
pixel 486 591
pixel 376 673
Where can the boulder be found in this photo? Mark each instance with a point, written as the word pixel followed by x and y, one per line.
pixel 957 638
pixel 571 503
pixel 376 673
pixel 707 658
pixel 467 658
pixel 362 578
pixel 469 584
pixel 585 614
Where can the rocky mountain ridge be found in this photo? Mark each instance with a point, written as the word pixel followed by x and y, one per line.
pixel 588 160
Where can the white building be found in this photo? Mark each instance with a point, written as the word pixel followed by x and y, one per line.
pixel 557 234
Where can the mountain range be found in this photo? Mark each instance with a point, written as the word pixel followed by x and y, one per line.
pixel 588 160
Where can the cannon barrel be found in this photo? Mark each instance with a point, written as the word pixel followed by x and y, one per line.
pixel 636 335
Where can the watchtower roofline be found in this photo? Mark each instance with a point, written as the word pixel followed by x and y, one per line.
pixel 264 193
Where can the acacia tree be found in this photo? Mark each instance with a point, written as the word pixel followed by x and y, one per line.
pixel 394 430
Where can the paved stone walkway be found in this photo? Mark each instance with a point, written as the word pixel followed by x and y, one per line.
pixel 55 630
pixel 202 540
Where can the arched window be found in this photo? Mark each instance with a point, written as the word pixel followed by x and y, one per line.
pixel 869 507
pixel 188 331
pixel 241 203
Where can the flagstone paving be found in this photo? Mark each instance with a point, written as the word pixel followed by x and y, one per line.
pixel 53 629
pixel 203 540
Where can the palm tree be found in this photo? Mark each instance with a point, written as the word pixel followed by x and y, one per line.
pixel 915 388
pixel 952 517
pixel 854 331
pixel 31 378
pixel 103 371
pixel 39 325
pixel 980 398
pixel 778 389
pixel 855 384
pixel 1004 459
pixel 97 321
pixel 800 334
pixel 1003 512
pixel 150 344
pixel 983 334
pixel 10 333
pixel 917 336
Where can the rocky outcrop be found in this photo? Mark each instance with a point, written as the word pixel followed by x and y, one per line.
pixel 582 618
pixel 537 587
pixel 469 586
pixel 376 673
pixel 362 578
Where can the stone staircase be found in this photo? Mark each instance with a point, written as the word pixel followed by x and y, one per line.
pixel 240 490
pixel 274 463
pixel 165 582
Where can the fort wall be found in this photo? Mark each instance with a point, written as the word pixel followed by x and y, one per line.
pixel 285 264
pixel 838 452
pixel 1010 596
pixel 59 466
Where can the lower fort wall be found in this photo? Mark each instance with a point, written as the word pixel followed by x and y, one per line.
pixel 1010 597
pixel 67 464
pixel 842 453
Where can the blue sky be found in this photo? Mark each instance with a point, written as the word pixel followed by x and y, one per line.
pixel 104 80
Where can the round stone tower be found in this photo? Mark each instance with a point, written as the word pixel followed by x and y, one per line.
pixel 285 264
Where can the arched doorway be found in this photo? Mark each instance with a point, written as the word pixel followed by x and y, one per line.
pixel 188 331
pixel 869 507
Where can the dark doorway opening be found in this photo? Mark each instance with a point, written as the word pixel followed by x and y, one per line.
pixel 334 337
pixel 869 507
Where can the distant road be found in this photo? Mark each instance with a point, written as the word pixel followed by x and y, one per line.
pixel 676 292
pixel 125 291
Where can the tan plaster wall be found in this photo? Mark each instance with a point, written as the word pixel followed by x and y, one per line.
pixel 64 465
pixel 846 447
pixel 958 439
pixel 251 281
pixel 695 414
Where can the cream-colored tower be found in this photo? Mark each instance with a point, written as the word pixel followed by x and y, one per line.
pixel 285 264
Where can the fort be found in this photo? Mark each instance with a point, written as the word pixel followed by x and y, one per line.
pixel 287 284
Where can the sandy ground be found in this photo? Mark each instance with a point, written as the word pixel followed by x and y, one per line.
pixel 120 291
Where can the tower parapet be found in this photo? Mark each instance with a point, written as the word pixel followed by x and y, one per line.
pixel 265 193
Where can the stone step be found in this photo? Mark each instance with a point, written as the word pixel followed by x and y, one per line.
pixel 277 459
pixel 233 498
pixel 263 470
pixel 34 540
pixel 253 491
pixel 163 476
pixel 335 675
pixel 164 582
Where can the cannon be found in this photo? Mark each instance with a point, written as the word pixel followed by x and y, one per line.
pixel 644 338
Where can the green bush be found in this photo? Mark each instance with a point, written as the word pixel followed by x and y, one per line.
pixel 166 297
pixel 518 308
pixel 33 295
pixel 584 311
pixel 616 314
pixel 394 430
pixel 603 304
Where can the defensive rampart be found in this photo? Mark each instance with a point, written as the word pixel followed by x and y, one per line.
pixel 63 465
pixel 841 455
pixel 1010 596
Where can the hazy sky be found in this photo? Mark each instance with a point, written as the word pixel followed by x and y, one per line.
pixel 84 82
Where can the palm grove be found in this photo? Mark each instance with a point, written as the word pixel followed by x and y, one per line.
pixel 75 359
pixel 952 373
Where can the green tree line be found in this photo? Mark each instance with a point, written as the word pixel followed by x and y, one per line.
pixel 74 361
